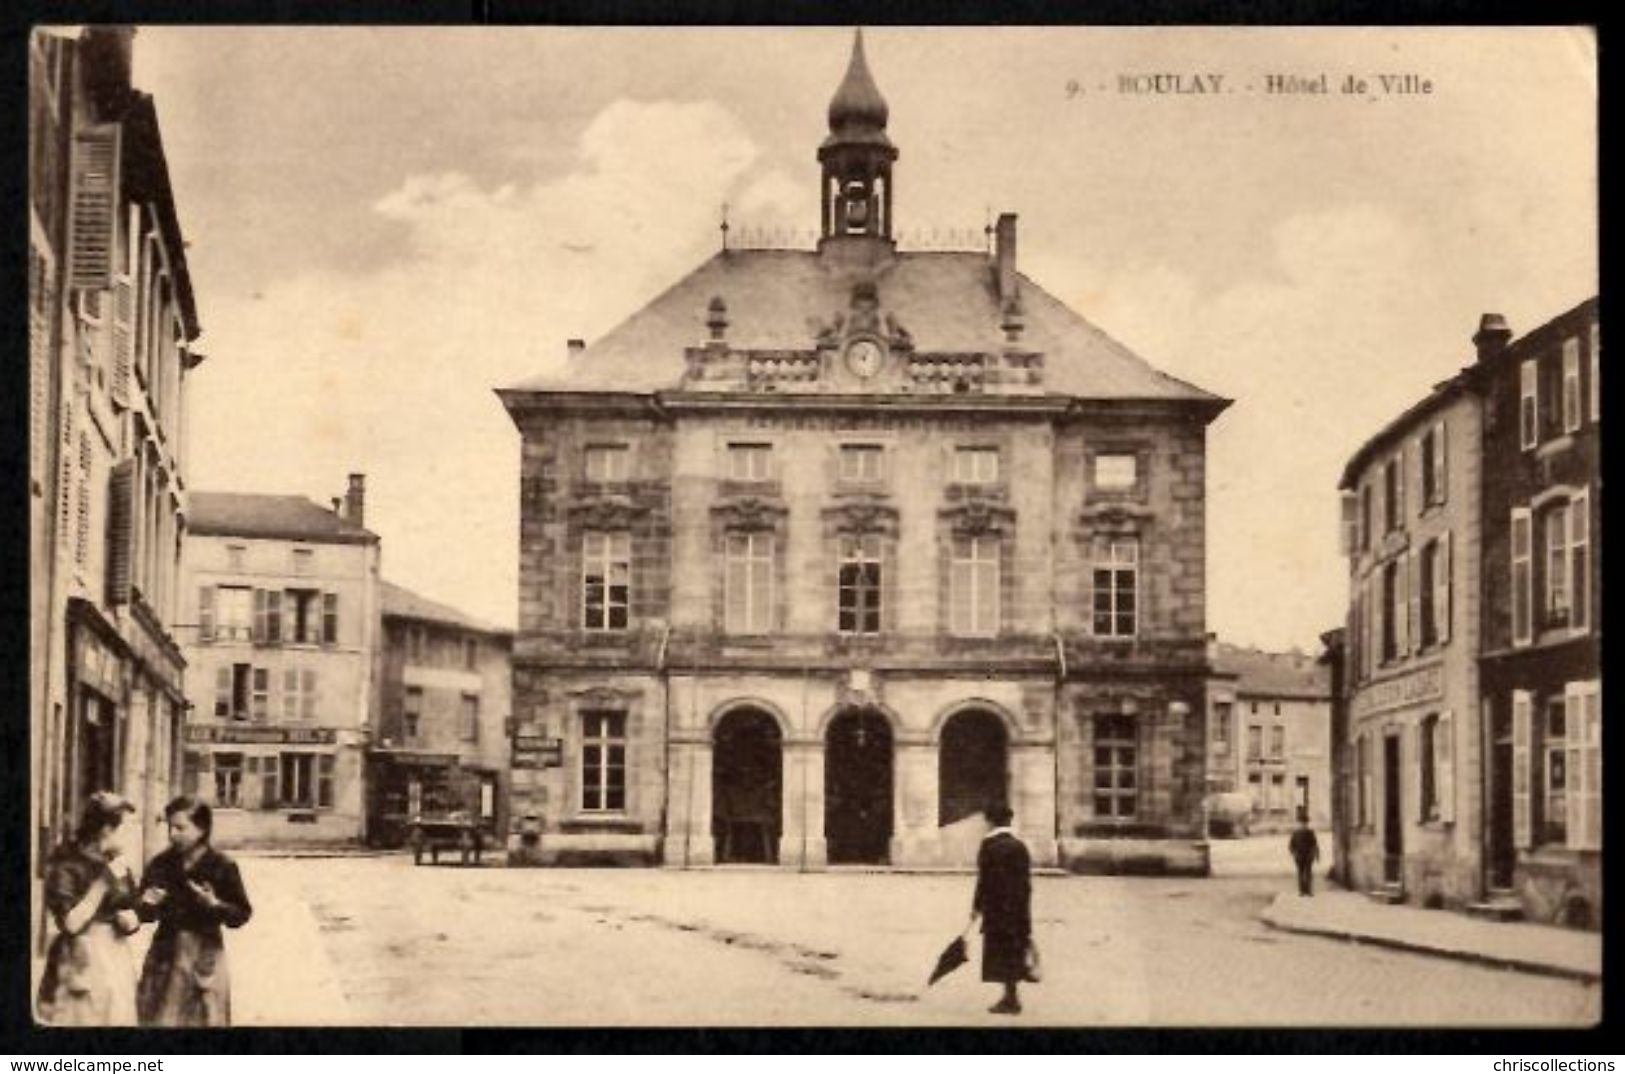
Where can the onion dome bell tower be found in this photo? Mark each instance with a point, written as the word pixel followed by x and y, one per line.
pixel 857 158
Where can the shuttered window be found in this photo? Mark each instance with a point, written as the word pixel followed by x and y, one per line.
pixel 93 213
pixel 1444 757
pixel 41 297
pixel 1580 560
pixel 324 780
pixel 1596 367
pixel 120 531
pixel 205 612
pixel 1529 404
pixel 1442 590
pixel 1522 719
pixel 1523 591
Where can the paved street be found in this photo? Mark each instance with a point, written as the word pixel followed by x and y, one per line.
pixel 375 940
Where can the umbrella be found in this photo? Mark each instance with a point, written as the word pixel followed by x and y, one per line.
pixel 953 956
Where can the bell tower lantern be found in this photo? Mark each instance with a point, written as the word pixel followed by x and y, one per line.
pixel 857 158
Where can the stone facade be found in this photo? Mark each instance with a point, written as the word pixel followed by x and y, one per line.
pixel 888 543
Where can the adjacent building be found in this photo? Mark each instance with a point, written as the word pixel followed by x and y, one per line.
pixel 284 595
pixel 441 734
pixel 1541 683
pixel 825 548
pixel 112 332
pixel 1269 734
pixel 1473 534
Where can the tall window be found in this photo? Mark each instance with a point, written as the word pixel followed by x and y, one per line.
pixel 267 616
pixel 859 596
pixel 1434 455
pixel 975 586
pixel 1579 561
pixel 1116 761
pixel 1278 801
pixel 1365 518
pixel 471 717
pixel 471 654
pixel 412 713
pixel 606 574
pixel 1391 610
pixel 1255 741
pixel 1427 586
pixel 748 582
pixel 304 616
pixel 1556 771
pixel 1571 385
pixel 976 465
pixel 750 462
pixel 1556 533
pixel 298 693
pixel 1221 724
pixel 1427 764
pixel 862 462
pixel 330 618
pixel 228 780
pixel 606 462
pixel 1528 404
pixel 234 613
pixel 1522 576
pixel 1584 764
pixel 262 693
pixel 1277 741
pixel 1362 781
pixel 603 762
pixel 1594 389
pixel 1392 508
pixel 1116 578
pixel 298 780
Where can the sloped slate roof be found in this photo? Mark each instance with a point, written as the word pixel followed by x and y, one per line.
pixel 777 299
pixel 1274 674
pixel 399 602
pixel 251 514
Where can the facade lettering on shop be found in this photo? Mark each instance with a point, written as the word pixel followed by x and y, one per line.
pixel 263 736
pixel 1425 684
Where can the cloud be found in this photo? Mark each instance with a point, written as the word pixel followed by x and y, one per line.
pixel 390 371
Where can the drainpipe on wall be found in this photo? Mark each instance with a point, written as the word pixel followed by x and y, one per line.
pixel 1055 736
pixel 665 742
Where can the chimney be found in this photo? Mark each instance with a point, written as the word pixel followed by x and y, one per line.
pixel 338 506
pixel 1492 336
pixel 574 347
pixel 355 500
pixel 1004 255
pixel 108 53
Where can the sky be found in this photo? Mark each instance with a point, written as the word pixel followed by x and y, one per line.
pixel 383 225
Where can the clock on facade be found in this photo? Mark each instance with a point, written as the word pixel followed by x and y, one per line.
pixel 864 357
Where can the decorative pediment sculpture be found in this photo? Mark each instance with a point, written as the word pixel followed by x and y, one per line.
pixel 605 512
pixel 979 517
pixel 865 317
pixel 862 513
pixel 1123 518
pixel 605 697
pixel 750 513
pixel 898 336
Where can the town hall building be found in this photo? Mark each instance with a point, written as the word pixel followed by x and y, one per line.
pixel 825 549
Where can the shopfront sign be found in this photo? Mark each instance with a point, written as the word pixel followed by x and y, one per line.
pixel 537 751
pixel 263 736
pixel 1424 684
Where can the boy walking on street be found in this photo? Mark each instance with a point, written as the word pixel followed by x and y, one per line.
pixel 1305 850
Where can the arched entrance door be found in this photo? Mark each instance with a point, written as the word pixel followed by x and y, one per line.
pixel 973 765
pixel 747 777
pixel 858 787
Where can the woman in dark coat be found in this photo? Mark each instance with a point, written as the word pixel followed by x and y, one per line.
pixel 89 977
pixel 1004 903
pixel 191 890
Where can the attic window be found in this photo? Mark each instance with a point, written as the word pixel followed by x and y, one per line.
pixel 1116 472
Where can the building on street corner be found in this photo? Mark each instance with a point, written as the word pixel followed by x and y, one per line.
pixel 1474 692
pixel 825 548
pixel 441 735
pixel 112 333
pixel 284 596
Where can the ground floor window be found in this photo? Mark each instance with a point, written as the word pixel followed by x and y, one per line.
pixel 603 762
pixel 1116 764
pixel 1554 772
pixel 228 780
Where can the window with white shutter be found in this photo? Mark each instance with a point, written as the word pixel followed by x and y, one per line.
pixel 1591 764
pixel 1523 583
pixel 1349 532
pixel 1580 561
pixel 1412 639
pixel 1522 716
pixel 1596 352
pixel 1571 385
pixel 1442 586
pixel 1444 755
pixel 1528 404
pixel 93 212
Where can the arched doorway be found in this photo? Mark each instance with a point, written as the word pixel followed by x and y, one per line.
pixel 973 765
pixel 747 779
pixel 858 787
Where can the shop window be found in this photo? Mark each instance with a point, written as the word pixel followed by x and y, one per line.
pixel 298 782
pixel 470 714
pixel 1116 768
pixel 228 780
pixel 603 762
